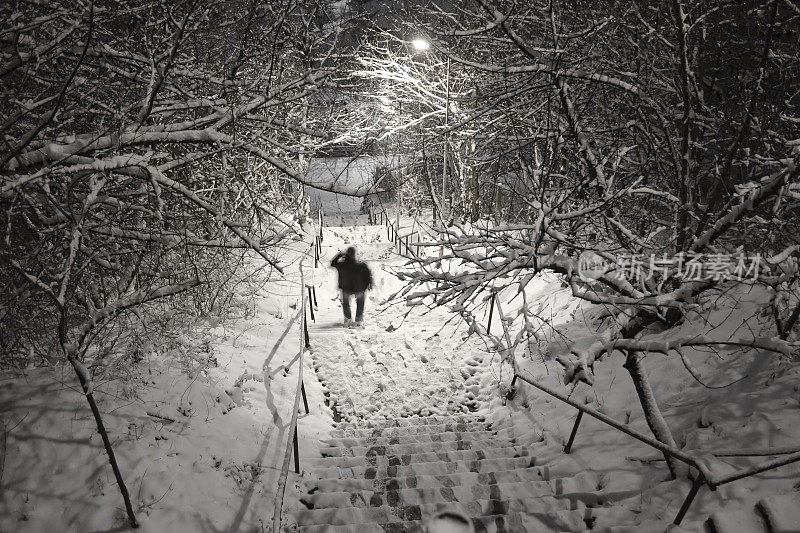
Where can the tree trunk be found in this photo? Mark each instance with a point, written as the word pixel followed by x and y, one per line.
pixel 652 413
pixel 3 434
pixel 498 203
pixel 86 385
pixel 474 192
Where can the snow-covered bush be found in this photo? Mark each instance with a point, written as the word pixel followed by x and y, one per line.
pixel 146 145
pixel 638 130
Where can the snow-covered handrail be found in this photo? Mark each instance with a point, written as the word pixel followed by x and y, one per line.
pixel 393 234
pixel 650 441
pixel 291 441
pixel 699 461
pixel 704 476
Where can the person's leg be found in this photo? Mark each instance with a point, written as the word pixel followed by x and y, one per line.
pixel 346 305
pixel 360 299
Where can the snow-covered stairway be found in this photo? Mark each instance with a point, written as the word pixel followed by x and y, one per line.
pixel 391 475
pixel 412 441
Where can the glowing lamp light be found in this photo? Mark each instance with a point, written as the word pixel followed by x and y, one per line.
pixel 420 44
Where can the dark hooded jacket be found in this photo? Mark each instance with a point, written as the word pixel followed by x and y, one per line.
pixel 354 276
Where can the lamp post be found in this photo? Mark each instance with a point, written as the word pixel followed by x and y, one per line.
pixel 423 45
pixel 446 135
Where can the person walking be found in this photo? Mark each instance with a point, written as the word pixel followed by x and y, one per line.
pixel 355 278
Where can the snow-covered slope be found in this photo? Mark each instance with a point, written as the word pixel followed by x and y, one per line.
pixel 198 427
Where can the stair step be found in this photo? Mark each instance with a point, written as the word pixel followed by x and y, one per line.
pixel 782 512
pixel 390 475
pixel 562 467
pixel 411 448
pixel 432 427
pixel 383 440
pixel 564 520
pixel 648 526
pixel 529 475
pixel 581 481
pixel 482 524
pixel 527 436
pixel 409 421
pixel 459 493
pixel 385 514
pixel 429 468
pixel 427 457
pixel 738 520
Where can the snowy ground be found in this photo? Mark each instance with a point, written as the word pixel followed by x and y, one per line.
pixel 200 431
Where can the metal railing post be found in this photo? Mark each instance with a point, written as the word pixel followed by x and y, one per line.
pixel 305 328
pixel 314 296
pixel 311 307
pixel 296 453
pixel 698 482
pixel 491 312
pixel 568 447
pixel 316 252
pixel 512 390
pixel 305 399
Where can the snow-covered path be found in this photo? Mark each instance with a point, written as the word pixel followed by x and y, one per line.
pixel 400 362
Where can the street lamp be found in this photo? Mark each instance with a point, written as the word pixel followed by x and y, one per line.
pixel 420 44
pixel 423 45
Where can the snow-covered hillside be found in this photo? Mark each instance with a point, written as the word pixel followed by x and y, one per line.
pixel 199 426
